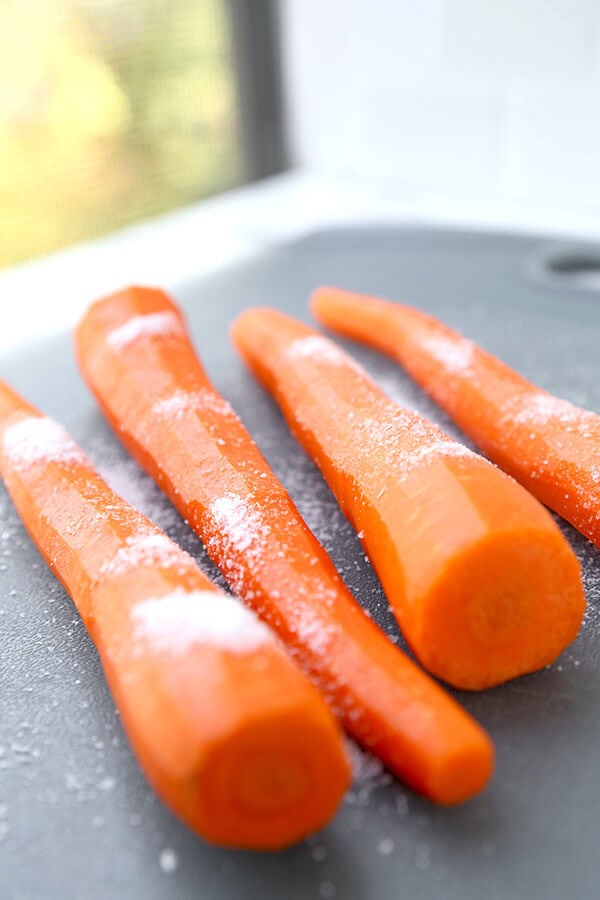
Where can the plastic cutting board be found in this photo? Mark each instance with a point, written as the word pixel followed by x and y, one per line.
pixel 77 819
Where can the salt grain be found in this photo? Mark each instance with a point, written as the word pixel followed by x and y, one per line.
pixel 154 324
pixel 180 620
pixel 107 784
pixel 168 861
pixel 386 846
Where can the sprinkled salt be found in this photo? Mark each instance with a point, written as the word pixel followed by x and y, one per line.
pixel 178 403
pixel 369 775
pixel 439 450
pixel 164 324
pixel 455 355
pixel 146 549
pixel 36 439
pixel 107 784
pixel 311 629
pixel 181 619
pixel 316 347
pixel 538 409
pixel 168 860
pixel 239 524
pixel 386 846
pixel 408 441
pixel 174 406
pixel 326 890
pixel 319 853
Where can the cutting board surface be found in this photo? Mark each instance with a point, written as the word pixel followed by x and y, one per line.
pixel 77 819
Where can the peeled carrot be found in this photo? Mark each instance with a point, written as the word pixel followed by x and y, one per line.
pixel 136 356
pixel 231 735
pixel 551 446
pixel 482 582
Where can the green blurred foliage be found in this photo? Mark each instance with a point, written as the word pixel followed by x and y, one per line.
pixel 110 112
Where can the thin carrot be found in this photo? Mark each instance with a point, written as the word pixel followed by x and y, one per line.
pixel 549 445
pixel 229 732
pixel 136 356
pixel 483 584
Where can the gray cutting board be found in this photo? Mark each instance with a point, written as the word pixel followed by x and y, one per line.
pixel 77 819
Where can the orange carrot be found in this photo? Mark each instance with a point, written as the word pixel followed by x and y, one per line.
pixel 551 446
pixel 231 735
pixel 137 358
pixel 483 584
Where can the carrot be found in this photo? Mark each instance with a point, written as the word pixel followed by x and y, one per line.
pixel 482 582
pixel 549 445
pixel 229 732
pixel 136 356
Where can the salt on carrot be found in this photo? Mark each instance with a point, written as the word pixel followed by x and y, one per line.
pixel 482 582
pixel 230 733
pixel 549 445
pixel 134 352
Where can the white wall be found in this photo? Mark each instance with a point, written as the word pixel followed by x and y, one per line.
pixel 500 96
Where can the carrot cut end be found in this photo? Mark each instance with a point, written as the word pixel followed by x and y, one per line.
pixel 506 606
pixel 273 783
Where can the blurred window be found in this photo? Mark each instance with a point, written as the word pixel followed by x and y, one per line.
pixel 111 111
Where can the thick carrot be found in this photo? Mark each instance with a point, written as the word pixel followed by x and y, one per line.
pixel 137 358
pixel 551 446
pixel 483 584
pixel 232 736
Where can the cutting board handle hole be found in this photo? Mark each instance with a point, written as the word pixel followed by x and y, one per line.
pixel 574 268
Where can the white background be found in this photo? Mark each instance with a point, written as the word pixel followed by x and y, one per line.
pixel 496 96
